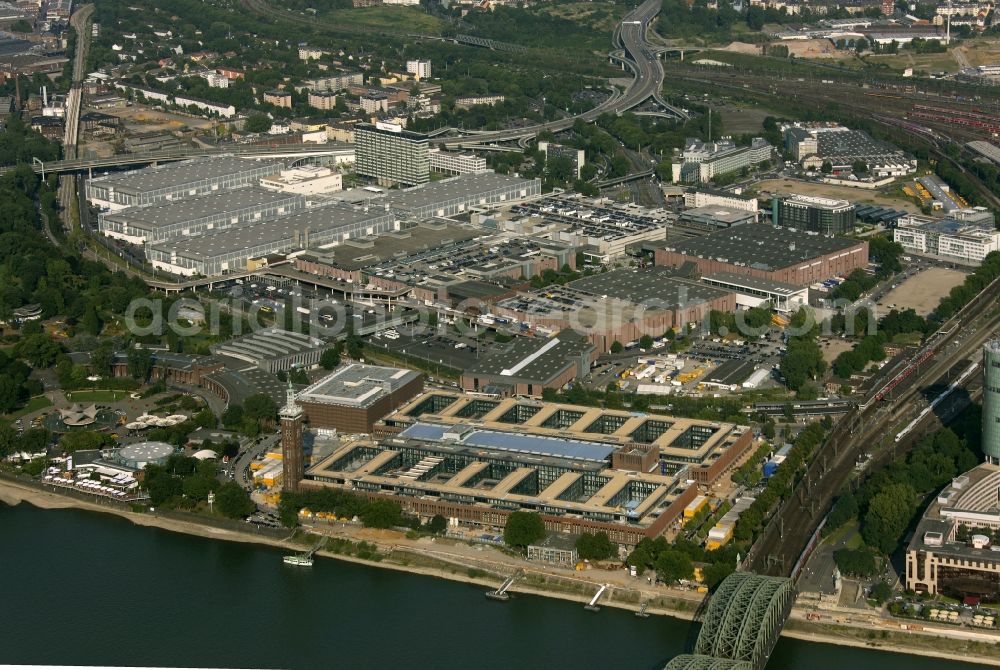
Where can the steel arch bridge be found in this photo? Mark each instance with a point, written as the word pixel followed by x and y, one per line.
pixel 744 619
pixel 696 662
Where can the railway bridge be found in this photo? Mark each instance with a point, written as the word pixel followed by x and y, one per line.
pixel 740 624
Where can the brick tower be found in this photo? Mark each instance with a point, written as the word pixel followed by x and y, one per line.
pixel 291 442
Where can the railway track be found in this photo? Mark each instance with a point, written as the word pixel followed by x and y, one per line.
pixel 792 526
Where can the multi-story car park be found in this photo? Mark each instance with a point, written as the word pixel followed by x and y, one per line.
pixel 229 250
pixel 619 306
pixel 197 215
pixel 777 254
pixel 946 238
pixel 814 214
pixel 477 459
pixel 176 181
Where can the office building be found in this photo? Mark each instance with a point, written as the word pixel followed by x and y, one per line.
pixel 952 552
pixel 353 397
pixel 704 161
pixel 176 181
pixel 703 197
pixel 991 402
pixel 386 152
pixel 305 180
pixel 814 214
pixel 947 239
pixel 454 162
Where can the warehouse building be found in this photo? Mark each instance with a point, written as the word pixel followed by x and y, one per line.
pixel 176 181
pixel 391 155
pixel 353 397
pixel 947 239
pixel 527 365
pixel 477 459
pixel 814 214
pixel 274 349
pixel 776 254
pixel 196 215
pixel 952 552
pixel 619 306
pixel 230 250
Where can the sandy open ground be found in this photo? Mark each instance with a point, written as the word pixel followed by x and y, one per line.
pixel 923 291
pixel 834 348
pixel 858 196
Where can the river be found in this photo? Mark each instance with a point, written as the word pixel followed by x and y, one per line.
pixel 85 588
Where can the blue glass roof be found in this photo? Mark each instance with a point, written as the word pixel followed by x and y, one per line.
pixel 517 442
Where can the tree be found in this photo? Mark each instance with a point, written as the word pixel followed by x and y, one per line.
pixel 665 170
pixel 140 363
pixel 101 359
pixel 91 322
pixel 860 562
pixel 522 529
pixel 233 416
pixel 257 123
pixel 21 26
pixel 673 566
pixel 10 392
pixel 438 524
pixel 860 44
pixel 646 342
pixel 38 350
pixel 331 357
pixel 8 440
pixel 260 407
pixel 595 546
pixel 616 347
pixel 859 167
pixel 382 514
pixel 889 513
pixel 826 167
pixel 755 17
pixel 880 592
pixel 232 501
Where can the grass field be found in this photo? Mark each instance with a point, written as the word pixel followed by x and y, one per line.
pixel 391 19
pixel 97 396
pixel 33 405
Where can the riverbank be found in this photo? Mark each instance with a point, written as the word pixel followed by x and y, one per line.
pixel 435 563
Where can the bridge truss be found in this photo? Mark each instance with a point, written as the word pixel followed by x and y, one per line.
pixel 698 662
pixel 744 619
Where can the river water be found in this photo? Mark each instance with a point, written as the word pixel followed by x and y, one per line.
pixel 85 588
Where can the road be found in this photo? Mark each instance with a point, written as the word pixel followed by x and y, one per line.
pixel 239 467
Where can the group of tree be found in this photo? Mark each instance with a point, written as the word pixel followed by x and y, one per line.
pixel 378 513
pixel 522 529
pixel 183 482
pixel 595 546
pixel 258 412
pixel 887 503
pixel 803 361
pixel 676 561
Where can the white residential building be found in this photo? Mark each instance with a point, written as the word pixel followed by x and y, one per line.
pixel 420 69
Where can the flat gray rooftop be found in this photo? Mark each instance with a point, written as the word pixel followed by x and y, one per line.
pixel 534 445
pixel 465 186
pixel 737 280
pixel 202 206
pixel 533 358
pixel 271 343
pixel 246 236
pixel 365 252
pixel 648 285
pixel 357 385
pixel 184 172
pixel 761 246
